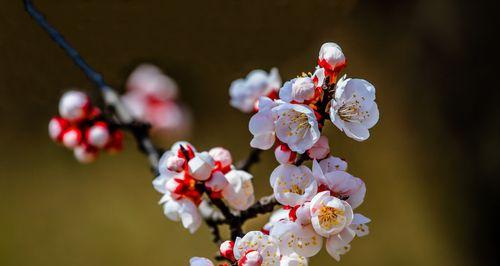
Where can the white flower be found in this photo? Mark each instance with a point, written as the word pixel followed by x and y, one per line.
pixel 303 214
pixel 261 125
pixel 341 184
pixel 338 245
pixel 200 167
pixel 198 261
pixel 246 92
pixel 296 125
pixel 302 89
pixel 183 210
pixel 293 185
pixel 320 149
pixel 293 259
pixel 329 215
pixel 353 109
pixel 298 90
pixel 74 105
pixel 333 164
pixel 171 164
pixel 256 241
pixel 72 137
pixel 359 225
pixel 251 258
pixel 331 58
pixel 295 238
pixel 276 216
pixel 239 192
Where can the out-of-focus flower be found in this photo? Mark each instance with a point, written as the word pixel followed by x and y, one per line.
pixel 341 184
pixel 262 126
pixel 265 246
pixel 293 185
pixel 332 59
pixel 200 167
pixel 217 182
pixel 98 135
pixel 320 149
pixel 74 105
pixel 57 126
pixel 296 125
pixel 245 93
pixel 353 109
pixel 72 137
pixel 85 153
pixel 151 97
pixel 199 261
pixel 239 193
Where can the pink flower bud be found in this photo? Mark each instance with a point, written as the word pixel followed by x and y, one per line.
pixel 217 182
pixel 200 167
pixel 221 155
pixel 74 105
pixel 175 163
pixel 284 155
pixel 226 250
pixel 72 137
pixel 320 149
pixel 98 135
pixel 174 186
pixel 85 153
pixel 331 58
pixel 57 126
pixel 252 258
pixel 303 214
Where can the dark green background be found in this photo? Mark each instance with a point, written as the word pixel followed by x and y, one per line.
pixel 430 166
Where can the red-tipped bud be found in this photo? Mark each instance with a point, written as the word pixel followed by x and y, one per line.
pixel 116 142
pixel 284 155
pixel 252 258
pixel 86 153
pixel 98 135
pixel 222 156
pixel 74 105
pixel 217 182
pixel 174 186
pixel 72 137
pixel 226 250
pixel 57 126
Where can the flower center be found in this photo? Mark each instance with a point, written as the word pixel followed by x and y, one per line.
pixel 295 189
pixel 351 110
pixel 329 217
pixel 297 123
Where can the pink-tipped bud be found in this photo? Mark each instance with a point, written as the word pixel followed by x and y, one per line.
pixel 284 155
pixel 57 126
pixel 320 149
pixel 74 105
pixel 116 142
pixel 221 155
pixel 86 153
pixel 226 250
pixel 175 163
pixel 252 258
pixel 98 135
pixel 72 137
pixel 217 182
pixel 174 186
pixel 303 214
pixel 200 167
pixel 331 57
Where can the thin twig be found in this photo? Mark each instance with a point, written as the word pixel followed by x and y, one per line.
pixel 253 157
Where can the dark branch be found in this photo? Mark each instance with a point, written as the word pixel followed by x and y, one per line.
pixel 253 157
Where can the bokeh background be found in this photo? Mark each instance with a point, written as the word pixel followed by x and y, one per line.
pixel 431 165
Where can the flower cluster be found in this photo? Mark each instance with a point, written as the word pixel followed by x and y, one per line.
pixel 185 174
pixel 82 127
pixel 151 98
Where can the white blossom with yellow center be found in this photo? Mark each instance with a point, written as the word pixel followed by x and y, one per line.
pixel 293 185
pixel 266 245
pixel 329 215
pixel 296 125
pixel 353 108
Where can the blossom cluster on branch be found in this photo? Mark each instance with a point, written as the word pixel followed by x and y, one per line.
pixel 317 201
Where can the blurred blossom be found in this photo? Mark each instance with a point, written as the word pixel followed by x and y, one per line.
pixel 152 97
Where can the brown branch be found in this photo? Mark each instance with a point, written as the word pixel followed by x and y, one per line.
pixel 253 158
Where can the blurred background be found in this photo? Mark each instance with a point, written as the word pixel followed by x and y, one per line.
pixel 431 164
